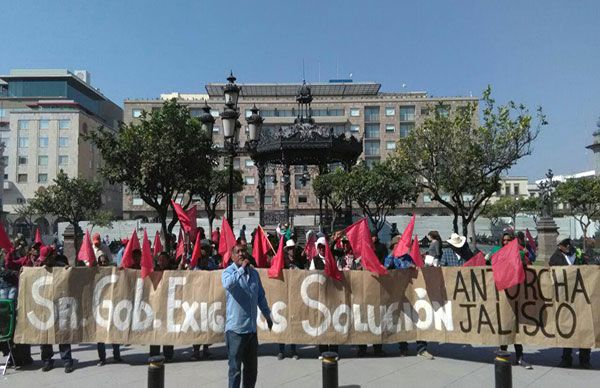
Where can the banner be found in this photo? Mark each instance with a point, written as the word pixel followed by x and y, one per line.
pixel 555 307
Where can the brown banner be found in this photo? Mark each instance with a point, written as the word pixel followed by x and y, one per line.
pixel 556 307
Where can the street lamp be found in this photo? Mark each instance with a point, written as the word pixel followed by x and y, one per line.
pixel 229 117
pixel 207 120
pixel 254 125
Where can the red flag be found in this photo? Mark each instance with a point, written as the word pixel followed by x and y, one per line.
pixel 359 236
pixel 331 268
pixel 310 249
pixel 4 240
pixel 157 245
pixel 196 252
pixel 226 242
pixel 260 248
pixel 277 263
pixel 192 215
pixel 86 251
pixel 507 266
pixel 415 253
pixel 147 264
pixel 180 251
pixel 403 246
pixel 476 261
pixel 530 241
pixel 184 217
pixel 38 236
pixel 132 245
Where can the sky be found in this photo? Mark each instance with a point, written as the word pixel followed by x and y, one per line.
pixel 540 53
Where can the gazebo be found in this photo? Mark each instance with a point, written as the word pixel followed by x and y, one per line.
pixel 303 143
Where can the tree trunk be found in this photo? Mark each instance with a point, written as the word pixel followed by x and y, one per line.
pixel 584 228
pixel 210 225
pixel 465 226
pixel 455 222
pixel 473 234
pixel 163 224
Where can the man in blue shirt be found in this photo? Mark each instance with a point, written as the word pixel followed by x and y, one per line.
pixel 244 292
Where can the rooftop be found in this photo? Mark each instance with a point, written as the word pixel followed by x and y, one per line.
pixel 291 89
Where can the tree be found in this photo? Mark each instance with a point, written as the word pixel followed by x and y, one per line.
pixel 380 189
pixel 510 207
pixel 103 219
pixel 159 158
pixel 582 197
pixel 214 189
pixel 26 212
pixel 72 199
pixel 459 161
pixel 333 188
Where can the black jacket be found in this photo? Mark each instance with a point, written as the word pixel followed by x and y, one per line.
pixel 319 262
pixel 558 258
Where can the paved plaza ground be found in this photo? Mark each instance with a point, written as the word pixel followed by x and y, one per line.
pixel 455 366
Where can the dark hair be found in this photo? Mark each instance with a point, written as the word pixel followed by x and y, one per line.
pixel 435 235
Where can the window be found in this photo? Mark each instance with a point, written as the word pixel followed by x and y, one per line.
pixel 372 162
pixel 390 145
pixel 298 182
pixel 354 128
pixel 302 199
pixel 42 160
pixel 372 148
pixel 390 128
pixel 43 141
pixel 22 160
pixel 4 160
pixel 269 184
pixel 507 187
pixel 407 113
pixel 216 129
pixel 405 129
pixel 372 131
pixel 427 199
pixel 21 178
pixel 135 113
pixel 23 124
pixel 249 180
pixel 282 199
pixel 443 110
pixel 249 199
pixel 390 111
pixel 5 138
pixel 248 113
pixel 425 111
pixel 63 160
pixel 42 178
pixel 63 141
pixel 64 124
pixel 249 163
pixel 137 201
pixel 516 189
pixel 2 112
pixel 354 112
pixel 44 124
pixel 236 163
pixel 214 112
pixel 372 114
pixel 195 112
pixel 268 200
pixel 23 142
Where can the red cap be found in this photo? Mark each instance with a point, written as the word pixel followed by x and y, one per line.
pixel 96 238
pixel 45 251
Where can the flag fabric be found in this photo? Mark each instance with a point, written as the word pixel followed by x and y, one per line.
pixel 359 236
pixel 260 248
pixel 403 246
pixel 180 251
pixel 476 261
pixel 196 253
pixel 132 245
pixel 86 251
pixel 530 241
pixel 4 240
pixel 226 242
pixel 277 264
pixel 147 264
pixel 192 215
pixel 157 245
pixel 38 236
pixel 187 218
pixel 310 250
pixel 507 266
pixel 331 268
pixel 415 253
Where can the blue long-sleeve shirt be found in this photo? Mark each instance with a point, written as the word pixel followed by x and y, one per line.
pixel 391 262
pixel 244 292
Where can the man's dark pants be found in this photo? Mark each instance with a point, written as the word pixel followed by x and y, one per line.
pixel 242 349
pixel 65 353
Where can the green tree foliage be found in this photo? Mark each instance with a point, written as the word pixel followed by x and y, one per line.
pixel 159 158
pixel 72 199
pixel 380 189
pixel 453 154
pixel 333 189
pixel 214 189
pixel 511 207
pixel 26 212
pixel 582 197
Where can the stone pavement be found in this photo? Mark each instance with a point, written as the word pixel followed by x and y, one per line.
pixel 455 366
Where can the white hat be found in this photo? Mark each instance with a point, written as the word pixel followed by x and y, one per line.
pixel 456 240
pixel 290 243
pixel 320 241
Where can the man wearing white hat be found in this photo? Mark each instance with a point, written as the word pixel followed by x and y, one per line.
pixel 458 253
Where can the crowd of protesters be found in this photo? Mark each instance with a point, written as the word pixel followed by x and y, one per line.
pixel 454 251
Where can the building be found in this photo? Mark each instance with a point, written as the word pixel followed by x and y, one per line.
pixel 43 115
pixel 357 108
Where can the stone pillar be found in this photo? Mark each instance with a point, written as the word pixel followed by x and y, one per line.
pixel 70 239
pixel 261 193
pixel 547 235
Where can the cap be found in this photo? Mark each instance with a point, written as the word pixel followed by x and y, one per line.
pixel 45 251
pixel 96 238
pixel 290 243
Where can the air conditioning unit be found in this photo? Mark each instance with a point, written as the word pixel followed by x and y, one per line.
pixel 83 75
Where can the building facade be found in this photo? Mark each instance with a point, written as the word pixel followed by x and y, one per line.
pixel 43 116
pixel 358 109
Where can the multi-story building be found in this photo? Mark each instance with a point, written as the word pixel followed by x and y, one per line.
pixel 359 109
pixel 43 115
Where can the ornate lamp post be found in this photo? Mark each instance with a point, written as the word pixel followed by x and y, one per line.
pixel 230 117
